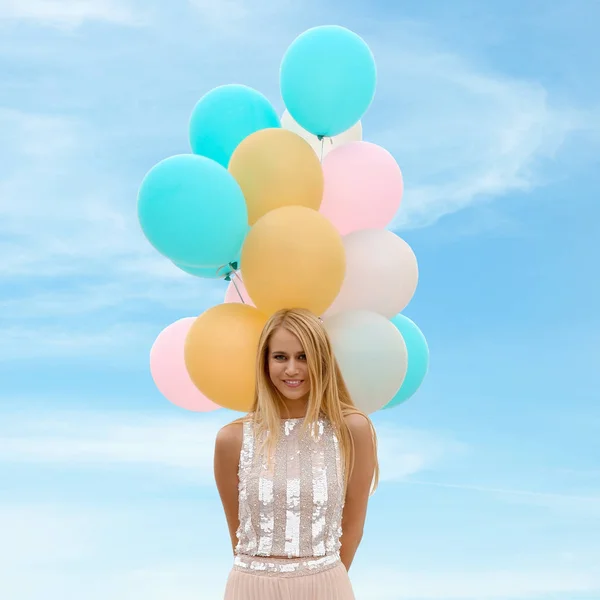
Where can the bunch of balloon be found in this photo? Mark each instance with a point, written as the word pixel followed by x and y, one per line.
pixel 293 213
pixel 328 80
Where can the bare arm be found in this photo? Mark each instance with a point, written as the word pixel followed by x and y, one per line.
pixel 227 455
pixel 359 486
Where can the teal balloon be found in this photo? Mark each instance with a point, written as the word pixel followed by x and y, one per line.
pixel 418 359
pixel 225 116
pixel 328 79
pixel 193 211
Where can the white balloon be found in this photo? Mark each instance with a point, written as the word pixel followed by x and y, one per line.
pixel 381 273
pixel 322 148
pixel 371 354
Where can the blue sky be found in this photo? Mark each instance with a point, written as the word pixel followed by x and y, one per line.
pixel 491 477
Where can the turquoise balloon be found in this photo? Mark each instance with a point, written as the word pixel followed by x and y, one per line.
pixel 225 116
pixel 328 79
pixel 418 359
pixel 193 211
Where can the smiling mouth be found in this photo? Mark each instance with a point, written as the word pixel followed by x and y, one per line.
pixel 293 383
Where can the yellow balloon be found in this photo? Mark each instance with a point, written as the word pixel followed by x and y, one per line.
pixel 220 354
pixel 275 168
pixel 293 257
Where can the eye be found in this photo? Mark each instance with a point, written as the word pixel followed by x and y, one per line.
pixel 302 357
pixel 279 357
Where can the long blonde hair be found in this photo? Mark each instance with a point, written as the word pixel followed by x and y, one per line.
pixel 328 394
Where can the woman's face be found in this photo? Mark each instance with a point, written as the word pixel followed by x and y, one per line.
pixel 287 365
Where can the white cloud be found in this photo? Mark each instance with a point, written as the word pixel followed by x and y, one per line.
pixel 30 535
pixel 580 506
pixel 173 546
pixel 143 553
pixel 245 19
pixel 64 552
pixel 117 342
pixel 396 584
pixel 185 443
pixel 64 220
pixel 90 439
pixel 226 11
pixel 404 452
pixel 58 211
pixel 461 134
pixel 70 13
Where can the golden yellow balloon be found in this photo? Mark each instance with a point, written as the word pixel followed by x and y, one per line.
pixel 293 257
pixel 220 354
pixel 275 168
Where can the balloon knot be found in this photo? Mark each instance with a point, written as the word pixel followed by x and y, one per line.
pixel 233 266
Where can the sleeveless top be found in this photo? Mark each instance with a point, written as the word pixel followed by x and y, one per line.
pixel 292 508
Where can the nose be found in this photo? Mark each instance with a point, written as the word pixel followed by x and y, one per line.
pixel 291 367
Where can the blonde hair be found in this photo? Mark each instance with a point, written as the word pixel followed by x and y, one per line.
pixel 328 394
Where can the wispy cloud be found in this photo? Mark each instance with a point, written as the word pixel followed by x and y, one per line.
pixel 58 212
pixel 101 439
pixel 572 504
pixel 70 13
pixel 398 584
pixel 463 134
pixel 115 343
pixel 186 443
pixel 30 535
pixel 72 248
pixel 149 553
pixel 230 12
pixel 109 552
pixel 404 451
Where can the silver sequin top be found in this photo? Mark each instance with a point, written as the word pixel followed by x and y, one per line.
pixel 293 508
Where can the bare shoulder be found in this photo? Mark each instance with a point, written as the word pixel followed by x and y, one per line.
pixel 359 424
pixel 229 437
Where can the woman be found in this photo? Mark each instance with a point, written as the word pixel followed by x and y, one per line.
pixel 296 473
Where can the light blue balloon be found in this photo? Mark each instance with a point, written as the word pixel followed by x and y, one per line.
pixel 418 359
pixel 193 211
pixel 225 116
pixel 328 79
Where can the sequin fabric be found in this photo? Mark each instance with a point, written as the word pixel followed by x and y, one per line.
pixel 290 510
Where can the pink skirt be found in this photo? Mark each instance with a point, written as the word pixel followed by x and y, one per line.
pixel 330 584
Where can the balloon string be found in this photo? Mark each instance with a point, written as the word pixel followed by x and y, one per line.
pixel 233 275
pixel 322 147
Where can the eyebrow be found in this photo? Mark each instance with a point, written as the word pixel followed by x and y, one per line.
pixel 282 352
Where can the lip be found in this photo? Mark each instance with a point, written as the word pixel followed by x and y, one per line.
pixel 293 383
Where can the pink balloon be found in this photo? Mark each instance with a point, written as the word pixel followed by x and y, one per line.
pixel 231 295
pixel 363 187
pixel 167 366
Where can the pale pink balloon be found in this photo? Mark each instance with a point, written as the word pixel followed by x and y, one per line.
pixel 363 187
pixel 381 273
pixel 167 366
pixel 231 295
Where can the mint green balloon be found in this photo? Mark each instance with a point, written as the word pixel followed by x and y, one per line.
pixel 193 211
pixel 418 359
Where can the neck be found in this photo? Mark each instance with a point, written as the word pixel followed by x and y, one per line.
pixel 294 409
